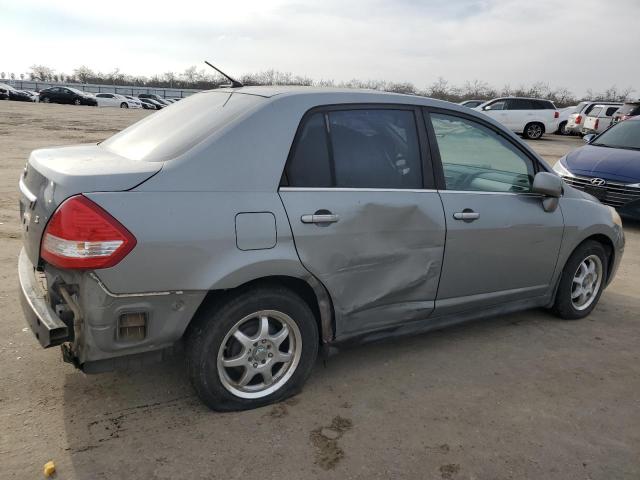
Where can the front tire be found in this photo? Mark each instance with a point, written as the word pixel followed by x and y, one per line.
pixel 582 282
pixel 124 105
pixel 253 349
pixel 77 101
pixel 533 131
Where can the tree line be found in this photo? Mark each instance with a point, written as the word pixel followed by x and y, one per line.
pixel 195 78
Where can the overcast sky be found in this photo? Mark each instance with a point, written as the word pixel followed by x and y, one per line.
pixel 578 44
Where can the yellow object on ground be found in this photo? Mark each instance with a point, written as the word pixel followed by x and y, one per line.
pixel 49 469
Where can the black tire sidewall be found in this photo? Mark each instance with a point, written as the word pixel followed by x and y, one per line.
pixel 563 305
pixel 213 324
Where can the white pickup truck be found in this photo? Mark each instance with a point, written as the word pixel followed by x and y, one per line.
pixel 530 117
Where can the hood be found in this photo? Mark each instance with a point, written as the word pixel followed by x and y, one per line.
pixel 615 164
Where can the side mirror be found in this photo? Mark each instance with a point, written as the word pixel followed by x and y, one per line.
pixel 588 138
pixel 548 185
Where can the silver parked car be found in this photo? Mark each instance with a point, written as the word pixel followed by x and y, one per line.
pixel 257 226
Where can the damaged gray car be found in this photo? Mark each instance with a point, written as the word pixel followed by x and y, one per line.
pixel 258 226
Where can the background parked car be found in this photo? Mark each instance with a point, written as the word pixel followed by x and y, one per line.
pixel 530 117
pixel 151 104
pixel 628 110
pixel 34 95
pixel 599 119
pixel 154 97
pixel 608 167
pixel 11 93
pixel 564 118
pixel 472 103
pixel 67 95
pixel 116 100
pixel 134 101
pixel 576 119
pixel 4 93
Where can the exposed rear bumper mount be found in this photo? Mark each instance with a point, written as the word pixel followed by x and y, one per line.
pixel 48 328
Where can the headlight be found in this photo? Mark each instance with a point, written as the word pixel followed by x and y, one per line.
pixel 561 170
pixel 634 185
pixel 615 217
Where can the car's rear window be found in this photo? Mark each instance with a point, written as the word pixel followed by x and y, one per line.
pixel 172 131
pixel 595 111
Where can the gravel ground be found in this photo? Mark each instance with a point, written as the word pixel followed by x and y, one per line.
pixel 519 396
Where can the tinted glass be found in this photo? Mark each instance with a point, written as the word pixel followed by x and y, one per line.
pixel 475 158
pixel 587 110
pixel 375 149
pixel 309 164
pixel 611 111
pixel 520 104
pixel 623 135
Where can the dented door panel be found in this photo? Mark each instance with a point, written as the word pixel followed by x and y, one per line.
pixel 380 259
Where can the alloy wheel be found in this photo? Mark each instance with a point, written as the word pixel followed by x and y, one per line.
pixel 259 354
pixel 586 282
pixel 534 131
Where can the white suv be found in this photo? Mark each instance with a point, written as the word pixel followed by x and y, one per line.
pixel 530 117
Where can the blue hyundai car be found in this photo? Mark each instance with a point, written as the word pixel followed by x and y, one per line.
pixel 608 167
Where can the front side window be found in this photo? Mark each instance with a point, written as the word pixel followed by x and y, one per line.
pixel 500 105
pixel 475 158
pixel 360 148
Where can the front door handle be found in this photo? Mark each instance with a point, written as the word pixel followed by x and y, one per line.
pixel 467 215
pixel 320 218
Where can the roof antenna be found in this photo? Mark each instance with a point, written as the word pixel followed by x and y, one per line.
pixel 234 83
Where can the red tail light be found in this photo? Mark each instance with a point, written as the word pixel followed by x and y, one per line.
pixel 556 114
pixel 578 119
pixel 82 235
pixel 595 127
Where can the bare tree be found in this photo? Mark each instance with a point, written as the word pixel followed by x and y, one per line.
pixel 41 72
pixel 84 74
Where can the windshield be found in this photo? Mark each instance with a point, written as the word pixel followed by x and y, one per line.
pixel 172 131
pixel 623 135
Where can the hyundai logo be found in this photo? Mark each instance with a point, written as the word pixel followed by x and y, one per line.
pixel 598 182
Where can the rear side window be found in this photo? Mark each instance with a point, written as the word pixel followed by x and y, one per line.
pixel 361 148
pixel 309 165
pixel 520 104
pixel 475 158
pixel 595 112
pixel 611 111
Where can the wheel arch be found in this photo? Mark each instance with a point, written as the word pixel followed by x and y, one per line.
pixel 309 289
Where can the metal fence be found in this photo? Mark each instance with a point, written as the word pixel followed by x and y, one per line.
pixel 95 88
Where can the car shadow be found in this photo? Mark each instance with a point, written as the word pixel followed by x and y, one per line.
pixel 132 421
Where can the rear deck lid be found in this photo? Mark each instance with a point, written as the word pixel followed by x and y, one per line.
pixel 54 174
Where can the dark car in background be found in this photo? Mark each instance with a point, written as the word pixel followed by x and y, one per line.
pixel 151 104
pixel 67 95
pixel 155 98
pixel 608 167
pixel 627 110
pixel 11 93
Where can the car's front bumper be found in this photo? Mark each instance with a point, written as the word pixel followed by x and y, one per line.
pixel 48 328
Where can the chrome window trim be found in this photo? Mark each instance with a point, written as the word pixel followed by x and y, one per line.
pixel 483 192
pixel 352 189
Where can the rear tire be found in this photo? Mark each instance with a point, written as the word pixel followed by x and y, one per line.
pixel 533 131
pixel 237 361
pixel 582 282
pixel 45 100
pixel 562 129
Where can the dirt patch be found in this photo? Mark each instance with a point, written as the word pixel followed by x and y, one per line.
pixel 449 470
pixel 325 441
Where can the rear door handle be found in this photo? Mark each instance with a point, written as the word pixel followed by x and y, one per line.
pixel 467 215
pixel 320 218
